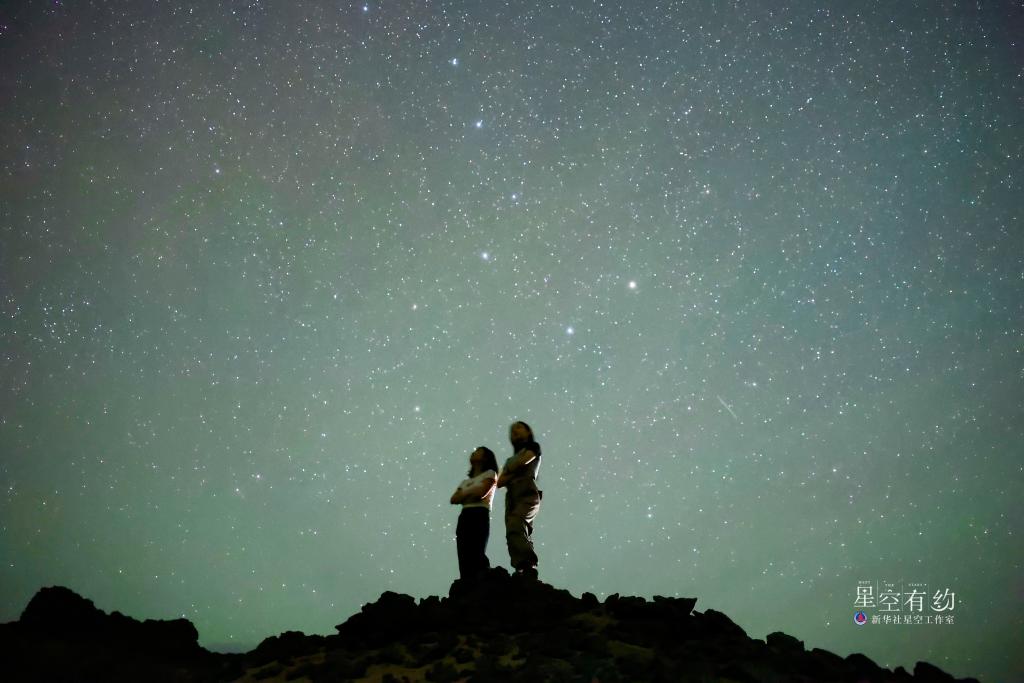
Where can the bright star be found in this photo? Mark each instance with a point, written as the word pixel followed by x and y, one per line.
pixel 479 123
pixel 632 284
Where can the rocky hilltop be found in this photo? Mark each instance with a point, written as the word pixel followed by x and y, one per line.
pixel 546 635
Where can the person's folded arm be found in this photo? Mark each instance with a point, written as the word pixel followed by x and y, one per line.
pixel 480 489
pixel 520 460
pixel 515 463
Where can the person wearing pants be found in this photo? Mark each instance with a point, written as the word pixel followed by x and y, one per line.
pixel 522 499
pixel 475 494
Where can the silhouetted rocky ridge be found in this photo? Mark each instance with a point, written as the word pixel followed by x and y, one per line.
pixel 502 629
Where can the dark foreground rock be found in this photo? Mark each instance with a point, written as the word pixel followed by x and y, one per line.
pixel 62 636
pixel 541 634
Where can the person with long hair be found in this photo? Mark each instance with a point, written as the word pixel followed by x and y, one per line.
pixel 522 498
pixel 475 494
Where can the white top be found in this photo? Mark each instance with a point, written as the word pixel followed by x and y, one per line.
pixel 479 497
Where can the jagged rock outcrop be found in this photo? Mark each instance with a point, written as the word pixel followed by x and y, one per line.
pixel 62 636
pixel 507 629
pixel 501 629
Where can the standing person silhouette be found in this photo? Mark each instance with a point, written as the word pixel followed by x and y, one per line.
pixel 475 494
pixel 522 498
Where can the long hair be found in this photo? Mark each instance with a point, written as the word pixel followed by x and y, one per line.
pixel 529 442
pixel 490 461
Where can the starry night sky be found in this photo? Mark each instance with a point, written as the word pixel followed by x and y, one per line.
pixel 754 273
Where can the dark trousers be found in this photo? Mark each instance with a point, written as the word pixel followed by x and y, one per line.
pixel 522 503
pixel 471 542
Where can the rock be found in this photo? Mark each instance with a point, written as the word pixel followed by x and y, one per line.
pixel 59 611
pixel 822 665
pixel 393 616
pixel 626 607
pixel 673 608
pixel 735 672
pixel 714 624
pixel 900 675
pixel 784 643
pixel 288 644
pixel 498 628
pixel 63 636
pixel 926 673
pixel 864 668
